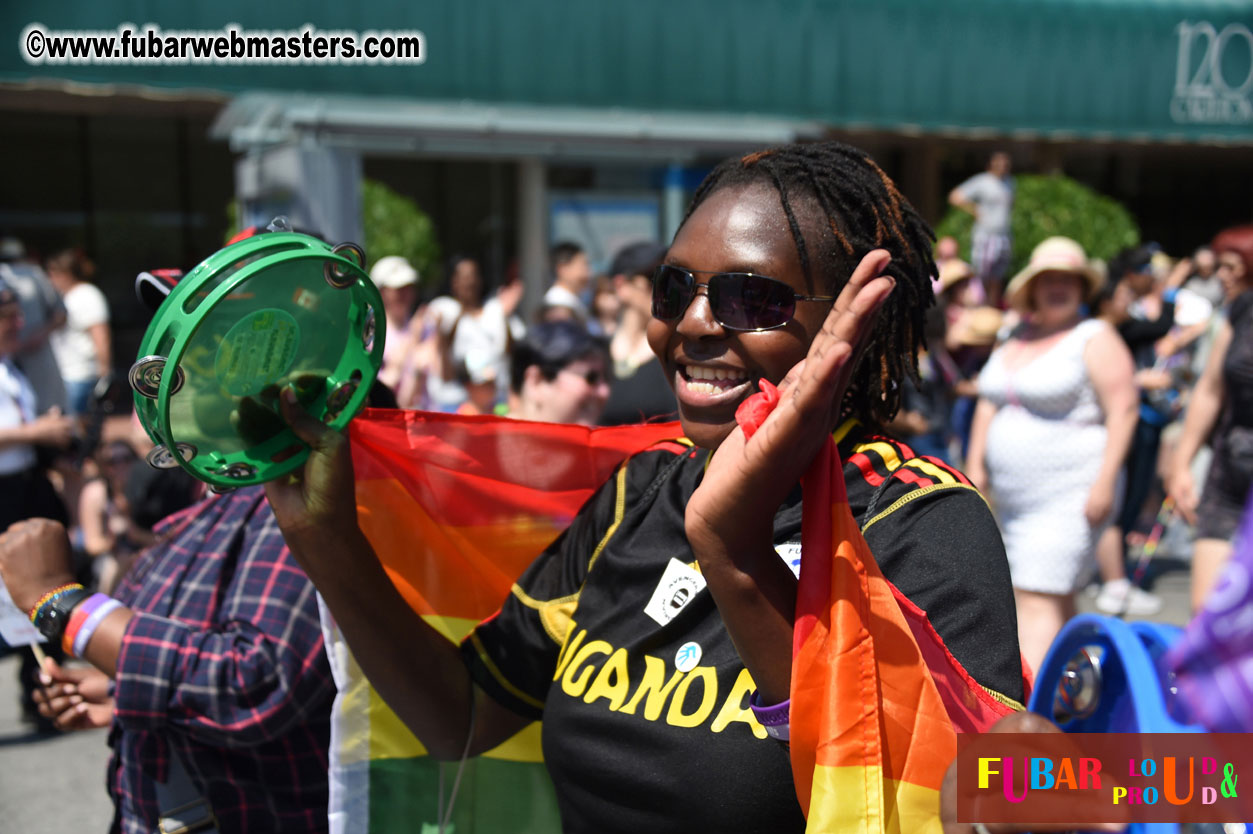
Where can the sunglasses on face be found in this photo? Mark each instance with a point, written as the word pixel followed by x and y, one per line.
pixel 593 377
pixel 738 300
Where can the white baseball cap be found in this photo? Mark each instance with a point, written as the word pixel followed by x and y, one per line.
pixel 393 272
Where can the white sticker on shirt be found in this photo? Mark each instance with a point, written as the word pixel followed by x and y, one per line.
pixel 791 554
pixel 678 586
pixel 686 658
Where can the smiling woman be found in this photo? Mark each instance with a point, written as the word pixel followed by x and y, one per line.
pixel 804 216
pixel 640 634
pixel 559 374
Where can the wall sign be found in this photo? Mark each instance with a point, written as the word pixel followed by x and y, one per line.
pixel 1213 74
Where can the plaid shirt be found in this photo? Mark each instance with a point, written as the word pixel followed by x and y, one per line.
pixel 224 661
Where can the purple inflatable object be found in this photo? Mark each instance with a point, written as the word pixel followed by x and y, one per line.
pixel 1213 663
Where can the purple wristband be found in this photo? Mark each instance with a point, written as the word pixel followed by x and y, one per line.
pixel 776 719
pixel 101 606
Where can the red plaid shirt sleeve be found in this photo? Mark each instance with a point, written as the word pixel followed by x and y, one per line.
pixel 224 662
pixel 249 679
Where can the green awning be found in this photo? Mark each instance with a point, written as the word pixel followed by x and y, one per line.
pixel 1155 70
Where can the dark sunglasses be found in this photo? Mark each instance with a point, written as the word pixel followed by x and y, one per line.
pixel 592 378
pixel 738 300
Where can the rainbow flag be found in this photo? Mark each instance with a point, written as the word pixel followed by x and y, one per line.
pixel 876 698
pixel 457 507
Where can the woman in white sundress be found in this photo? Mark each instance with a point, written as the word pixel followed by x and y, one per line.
pixel 1057 408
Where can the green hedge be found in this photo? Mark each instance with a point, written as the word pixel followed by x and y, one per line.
pixel 394 225
pixel 1054 205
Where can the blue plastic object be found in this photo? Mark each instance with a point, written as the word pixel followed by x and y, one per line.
pixel 1103 675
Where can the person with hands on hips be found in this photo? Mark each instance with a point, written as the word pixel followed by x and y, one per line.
pixel 802 266
pixel 207 664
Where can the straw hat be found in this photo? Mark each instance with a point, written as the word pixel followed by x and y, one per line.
pixel 978 327
pixel 1054 254
pixel 951 272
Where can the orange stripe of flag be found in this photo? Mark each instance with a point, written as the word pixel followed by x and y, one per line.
pixel 862 696
pixel 457 507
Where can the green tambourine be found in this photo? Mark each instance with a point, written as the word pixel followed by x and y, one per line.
pixel 274 309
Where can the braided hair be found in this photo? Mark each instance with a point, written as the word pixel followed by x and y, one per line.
pixel 863 211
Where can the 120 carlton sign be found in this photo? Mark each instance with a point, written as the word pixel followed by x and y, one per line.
pixel 1213 75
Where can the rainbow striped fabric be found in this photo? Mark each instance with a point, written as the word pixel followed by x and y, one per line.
pixel 876 697
pixel 457 507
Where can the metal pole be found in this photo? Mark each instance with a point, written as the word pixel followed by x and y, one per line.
pixel 672 202
pixel 533 232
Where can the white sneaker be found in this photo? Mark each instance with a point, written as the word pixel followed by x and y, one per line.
pixel 1122 598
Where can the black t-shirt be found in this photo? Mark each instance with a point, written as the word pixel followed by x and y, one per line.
pixel 611 638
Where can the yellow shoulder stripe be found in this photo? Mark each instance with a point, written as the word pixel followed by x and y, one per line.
pixel 918 493
pixel 929 468
pixel 843 430
pixel 556 615
pixel 619 510
pixel 884 450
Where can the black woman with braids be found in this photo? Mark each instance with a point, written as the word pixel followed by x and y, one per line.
pixel 802 266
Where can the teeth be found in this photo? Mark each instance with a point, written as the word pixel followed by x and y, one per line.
pixel 696 373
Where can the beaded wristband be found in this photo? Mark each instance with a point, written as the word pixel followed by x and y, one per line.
pixel 93 621
pixel 54 615
pixel 48 597
pixel 776 719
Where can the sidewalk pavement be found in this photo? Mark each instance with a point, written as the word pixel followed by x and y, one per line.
pixel 48 783
pixel 1170 579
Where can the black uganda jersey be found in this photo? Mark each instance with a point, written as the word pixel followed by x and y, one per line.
pixel 612 639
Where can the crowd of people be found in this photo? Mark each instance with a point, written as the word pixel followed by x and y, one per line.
pixel 1075 396
pixel 57 382
pixel 1085 407
pixel 583 357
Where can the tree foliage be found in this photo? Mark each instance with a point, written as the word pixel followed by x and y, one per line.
pixel 1054 205
pixel 394 225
